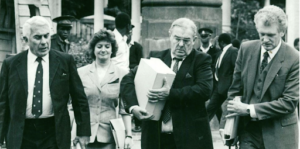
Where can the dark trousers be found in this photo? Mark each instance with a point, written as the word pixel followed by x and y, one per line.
pixel 167 141
pixel 137 122
pixel 251 136
pixel 214 105
pixel 39 134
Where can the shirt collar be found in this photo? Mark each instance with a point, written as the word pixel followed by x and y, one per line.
pixel 119 36
pixel 32 58
pixel 273 52
pixel 226 48
pixel 205 50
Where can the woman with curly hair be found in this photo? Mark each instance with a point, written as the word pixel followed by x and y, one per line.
pixel 101 80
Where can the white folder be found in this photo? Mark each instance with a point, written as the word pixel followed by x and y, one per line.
pixel 150 75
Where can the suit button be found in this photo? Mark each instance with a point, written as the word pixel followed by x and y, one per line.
pixel 259 80
pixel 257 97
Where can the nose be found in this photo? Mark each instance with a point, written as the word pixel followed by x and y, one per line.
pixel 181 43
pixel 43 41
pixel 265 38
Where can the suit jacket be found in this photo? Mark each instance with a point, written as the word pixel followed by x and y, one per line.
pixel 135 55
pixel 103 98
pixel 280 93
pixel 225 71
pixel 58 44
pixel 14 92
pixel 214 52
pixel 191 88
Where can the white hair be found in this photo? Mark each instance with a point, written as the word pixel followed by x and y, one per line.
pixel 36 20
pixel 271 15
pixel 185 23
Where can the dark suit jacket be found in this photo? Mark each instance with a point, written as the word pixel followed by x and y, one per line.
pixel 225 71
pixel 135 55
pixel 214 53
pixel 14 91
pixel 187 102
pixel 280 93
pixel 58 44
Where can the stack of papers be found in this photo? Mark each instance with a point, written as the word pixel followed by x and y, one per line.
pixel 150 75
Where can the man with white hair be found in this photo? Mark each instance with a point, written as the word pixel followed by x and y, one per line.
pixel 184 123
pixel 266 76
pixel 34 90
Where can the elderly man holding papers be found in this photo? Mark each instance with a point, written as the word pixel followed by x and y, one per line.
pixel 184 123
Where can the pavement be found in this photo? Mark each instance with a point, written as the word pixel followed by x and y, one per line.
pixel 218 144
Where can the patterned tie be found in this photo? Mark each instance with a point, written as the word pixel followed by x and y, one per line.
pixel 167 111
pixel 37 102
pixel 264 62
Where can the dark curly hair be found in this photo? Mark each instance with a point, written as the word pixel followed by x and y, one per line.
pixel 103 35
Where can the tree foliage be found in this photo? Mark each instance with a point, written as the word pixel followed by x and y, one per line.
pixel 242 18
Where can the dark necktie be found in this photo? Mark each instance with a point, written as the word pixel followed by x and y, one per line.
pixel 167 110
pixel 264 62
pixel 37 102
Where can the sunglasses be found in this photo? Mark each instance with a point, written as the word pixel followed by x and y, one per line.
pixel 204 35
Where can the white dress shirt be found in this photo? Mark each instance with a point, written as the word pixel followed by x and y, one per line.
pixel 219 61
pixel 122 56
pixel 168 127
pixel 272 54
pixel 205 50
pixel 32 65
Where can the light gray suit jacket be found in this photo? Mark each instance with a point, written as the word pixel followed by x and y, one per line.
pixel 280 93
pixel 103 98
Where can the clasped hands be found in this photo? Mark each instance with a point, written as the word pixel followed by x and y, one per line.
pixel 154 95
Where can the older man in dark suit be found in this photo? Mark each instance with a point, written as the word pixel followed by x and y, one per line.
pixel 184 123
pixel 267 77
pixel 34 90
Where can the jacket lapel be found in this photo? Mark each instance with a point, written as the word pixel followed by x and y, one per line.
pixel 185 66
pixel 224 57
pixel 252 69
pixel 93 75
pixel 22 71
pixel 167 59
pixel 275 67
pixel 109 76
pixel 54 62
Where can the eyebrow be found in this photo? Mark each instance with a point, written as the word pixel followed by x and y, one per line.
pixel 181 37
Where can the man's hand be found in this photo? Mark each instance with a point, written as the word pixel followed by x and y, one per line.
pixel 141 114
pixel 237 109
pixel 159 94
pixel 83 141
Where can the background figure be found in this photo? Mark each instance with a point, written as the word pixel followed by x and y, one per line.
pixel 207 47
pixel 135 55
pixel 296 43
pixel 222 76
pixel 101 81
pixel 123 28
pixel 236 43
pixel 184 122
pixel 34 91
pixel 266 75
pixel 59 41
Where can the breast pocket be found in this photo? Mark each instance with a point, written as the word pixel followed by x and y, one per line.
pixel 111 90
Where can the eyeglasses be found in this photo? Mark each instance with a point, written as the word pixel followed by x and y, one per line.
pixel 185 41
